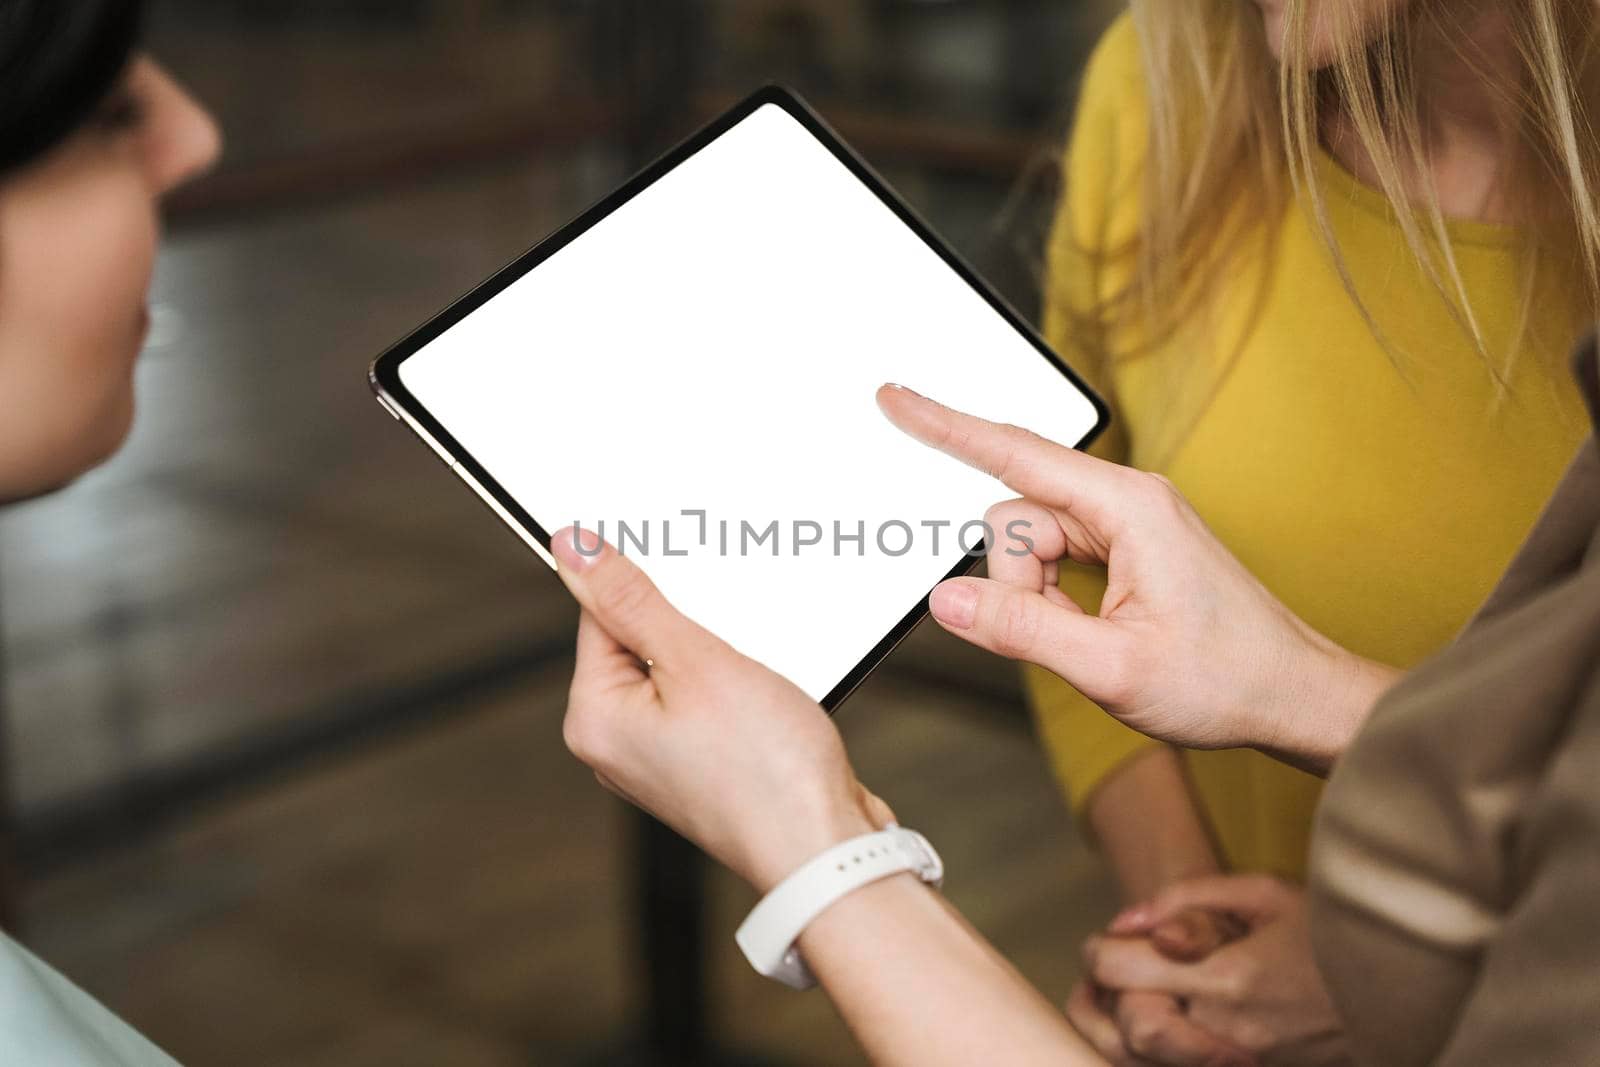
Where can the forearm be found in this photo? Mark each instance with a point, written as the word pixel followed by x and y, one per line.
pixel 919 986
pixel 1148 826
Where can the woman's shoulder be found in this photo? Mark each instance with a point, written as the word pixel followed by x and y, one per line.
pixel 1102 162
pixel 1104 155
pixel 1115 71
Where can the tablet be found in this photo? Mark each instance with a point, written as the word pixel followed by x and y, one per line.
pixel 689 369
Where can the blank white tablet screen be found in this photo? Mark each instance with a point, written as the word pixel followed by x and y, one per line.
pixel 699 366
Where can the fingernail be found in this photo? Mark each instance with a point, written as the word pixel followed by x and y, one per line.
pixel 1129 919
pixel 954 604
pixel 903 389
pixel 576 548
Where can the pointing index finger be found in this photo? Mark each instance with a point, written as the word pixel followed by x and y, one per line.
pixel 1031 465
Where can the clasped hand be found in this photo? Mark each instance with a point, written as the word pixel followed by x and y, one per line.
pixel 1213 971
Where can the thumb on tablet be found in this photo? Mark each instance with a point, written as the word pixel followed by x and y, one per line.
pixel 622 599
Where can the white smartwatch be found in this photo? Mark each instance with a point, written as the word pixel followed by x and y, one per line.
pixel 768 935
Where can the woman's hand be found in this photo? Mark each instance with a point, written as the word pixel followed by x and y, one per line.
pixel 729 754
pixel 1258 991
pixel 1188 647
pixel 1140 1027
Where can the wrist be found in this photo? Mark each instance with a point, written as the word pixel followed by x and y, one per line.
pixel 1334 693
pixel 785 847
pixel 1203 863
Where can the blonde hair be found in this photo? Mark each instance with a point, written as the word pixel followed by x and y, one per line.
pixel 1234 138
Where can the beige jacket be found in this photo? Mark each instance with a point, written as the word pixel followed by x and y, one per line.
pixel 1455 878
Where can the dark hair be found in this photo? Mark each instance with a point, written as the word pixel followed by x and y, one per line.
pixel 58 61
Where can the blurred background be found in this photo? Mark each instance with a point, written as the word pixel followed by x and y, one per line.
pixel 284 780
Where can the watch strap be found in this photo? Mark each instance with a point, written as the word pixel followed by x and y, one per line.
pixel 767 936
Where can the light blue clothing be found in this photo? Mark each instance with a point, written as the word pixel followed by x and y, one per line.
pixel 46 1021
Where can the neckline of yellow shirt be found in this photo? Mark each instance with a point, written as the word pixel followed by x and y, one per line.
pixel 1341 183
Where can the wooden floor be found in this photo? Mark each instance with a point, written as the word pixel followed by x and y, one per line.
pixel 455 896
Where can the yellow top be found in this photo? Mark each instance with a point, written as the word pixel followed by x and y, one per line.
pixel 1378 496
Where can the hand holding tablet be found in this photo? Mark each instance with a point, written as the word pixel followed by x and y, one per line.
pixel 715 745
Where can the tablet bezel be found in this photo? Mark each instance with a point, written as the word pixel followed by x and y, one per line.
pixel 384 374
